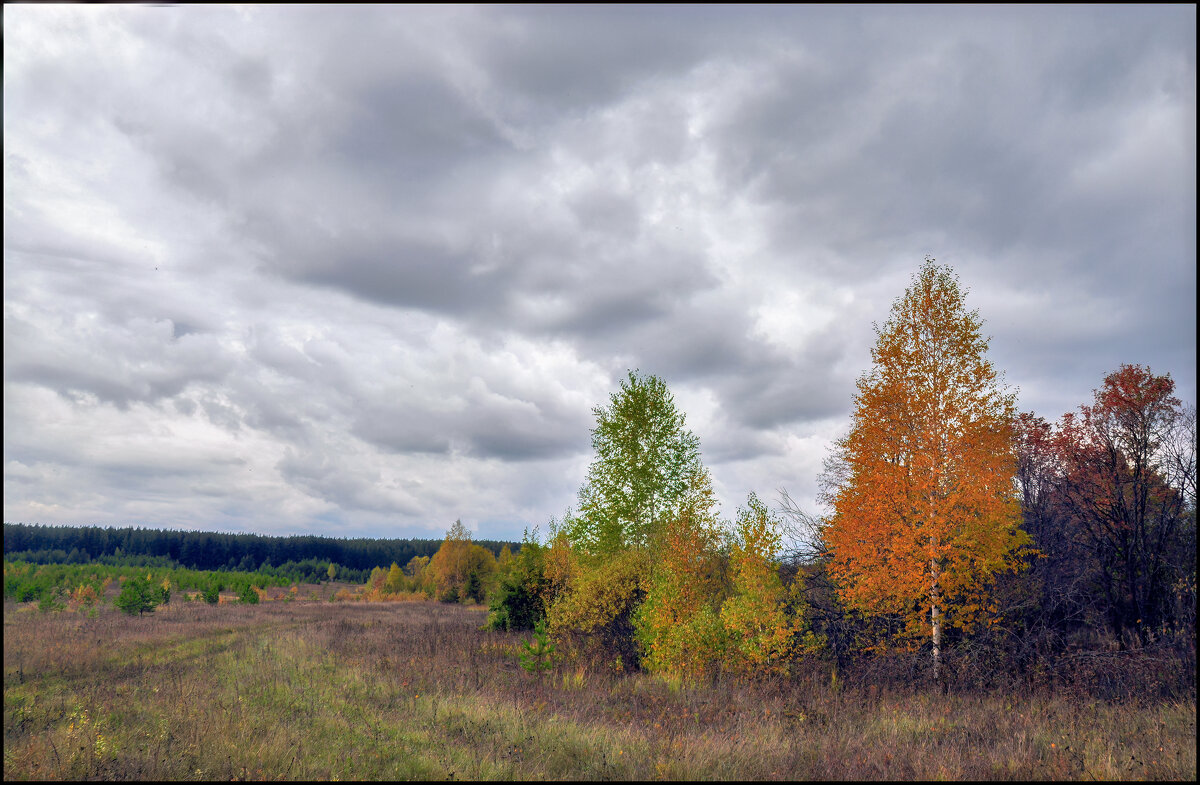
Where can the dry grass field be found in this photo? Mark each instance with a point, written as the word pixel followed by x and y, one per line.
pixel 381 691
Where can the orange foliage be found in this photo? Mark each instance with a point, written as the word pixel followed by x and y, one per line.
pixel 927 511
pixel 84 595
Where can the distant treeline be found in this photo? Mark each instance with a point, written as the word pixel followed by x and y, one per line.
pixel 198 550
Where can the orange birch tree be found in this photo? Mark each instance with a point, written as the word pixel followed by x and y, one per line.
pixel 927 511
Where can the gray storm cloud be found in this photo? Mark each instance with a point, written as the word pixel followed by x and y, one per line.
pixel 365 271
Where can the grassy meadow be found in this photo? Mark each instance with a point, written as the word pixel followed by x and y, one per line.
pixel 310 690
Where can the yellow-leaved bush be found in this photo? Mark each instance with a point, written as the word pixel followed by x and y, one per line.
pixel 764 623
pixel 645 573
pixel 678 630
pixel 706 610
pixel 595 600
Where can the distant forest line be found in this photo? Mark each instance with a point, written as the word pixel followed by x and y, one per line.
pixel 197 550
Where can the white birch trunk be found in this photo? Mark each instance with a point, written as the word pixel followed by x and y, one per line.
pixel 935 617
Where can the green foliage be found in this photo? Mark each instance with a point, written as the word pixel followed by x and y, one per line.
pixel 300 559
pixel 538 654
pixel 519 601
pixel 248 595
pixel 647 468
pixel 212 593
pixel 646 477
pixel 137 596
pixel 25 582
pixel 51 601
pixel 474 588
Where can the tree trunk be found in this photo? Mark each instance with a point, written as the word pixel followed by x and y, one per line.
pixel 935 617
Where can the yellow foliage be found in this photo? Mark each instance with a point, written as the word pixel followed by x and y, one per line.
pixel 416 570
pixel 562 567
pixel 460 566
pixel 599 592
pixel 678 630
pixel 395 579
pixel 759 632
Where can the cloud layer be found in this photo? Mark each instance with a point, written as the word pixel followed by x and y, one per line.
pixel 366 271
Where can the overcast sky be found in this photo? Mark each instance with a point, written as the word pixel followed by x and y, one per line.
pixel 365 271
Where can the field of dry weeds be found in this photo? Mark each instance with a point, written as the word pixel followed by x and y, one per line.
pixel 373 691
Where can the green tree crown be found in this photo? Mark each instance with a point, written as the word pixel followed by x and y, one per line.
pixel 647 468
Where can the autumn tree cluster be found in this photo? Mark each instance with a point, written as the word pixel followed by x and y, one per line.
pixel 1109 498
pixel 954 520
pixel 646 574
pixel 460 571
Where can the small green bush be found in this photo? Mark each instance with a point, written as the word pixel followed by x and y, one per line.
pixel 518 602
pixel 137 597
pixel 249 595
pixel 538 654
pixel 51 601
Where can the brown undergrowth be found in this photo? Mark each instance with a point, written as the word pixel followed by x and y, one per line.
pixel 375 691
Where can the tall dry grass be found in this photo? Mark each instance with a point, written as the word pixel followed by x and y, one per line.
pixel 417 691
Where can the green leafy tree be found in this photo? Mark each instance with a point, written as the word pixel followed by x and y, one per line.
pixel 646 492
pixel 137 596
pixel 249 595
pixel 52 601
pixel 646 470
pixel 519 601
